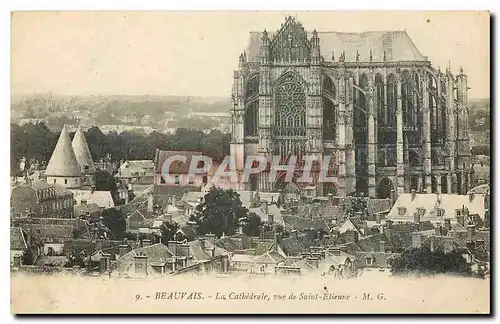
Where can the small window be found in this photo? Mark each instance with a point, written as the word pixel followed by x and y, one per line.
pixel 86 168
pixel 54 180
pixel 177 181
pixel 401 211
pixel 458 212
pixel 162 179
pixel 201 164
pixel 65 181
pixel 76 180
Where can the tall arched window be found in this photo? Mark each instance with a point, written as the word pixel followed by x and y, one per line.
pixel 407 97
pixel 252 106
pixel 329 115
pixel 380 100
pixel 360 109
pixel 290 116
pixel 392 100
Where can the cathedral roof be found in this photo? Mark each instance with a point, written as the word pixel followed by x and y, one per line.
pixel 63 162
pixel 397 45
pixel 82 152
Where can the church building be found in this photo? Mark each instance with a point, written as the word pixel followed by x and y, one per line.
pixel 370 101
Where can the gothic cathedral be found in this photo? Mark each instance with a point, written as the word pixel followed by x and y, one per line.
pixel 370 101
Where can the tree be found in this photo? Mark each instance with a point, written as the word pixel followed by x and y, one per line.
pixel 17 147
pixel 423 261
pixel 106 182
pixel 115 221
pixel 252 225
pixel 168 231
pixel 219 212
pixel 356 206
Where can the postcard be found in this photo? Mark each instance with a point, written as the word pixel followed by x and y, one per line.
pixel 264 162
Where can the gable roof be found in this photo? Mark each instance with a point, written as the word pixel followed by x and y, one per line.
pixel 176 166
pixel 155 253
pixel 17 239
pixel 82 152
pixel 396 45
pixel 63 161
pixel 448 202
pixel 103 199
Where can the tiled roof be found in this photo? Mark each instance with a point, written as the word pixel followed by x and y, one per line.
pixel 155 253
pixel 449 203
pixel 49 233
pixel 81 210
pixel 396 45
pixel 17 239
pixel 176 166
pixel 103 199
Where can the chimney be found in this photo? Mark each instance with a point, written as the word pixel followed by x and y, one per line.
pixel 471 232
pixel 382 246
pixel 416 240
pixel 447 224
pixel 416 217
pixel 184 250
pixel 211 238
pixel 168 218
pixel 275 241
pixel 431 238
pixel 224 263
pixel 151 202
pixel 471 196
pixel 351 236
pixel 141 264
pixel 17 261
pixel 123 249
pixel 438 231
pixel 174 263
pixel 413 194
pixel 104 262
pixel 146 243
pixel 172 245
pixel 330 198
pixel 201 240
pixel 264 205
pixel 393 196
pixel 270 218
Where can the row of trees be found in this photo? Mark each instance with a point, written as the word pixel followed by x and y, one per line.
pixel 35 143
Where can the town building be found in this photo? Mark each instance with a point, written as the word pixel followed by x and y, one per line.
pixel 370 101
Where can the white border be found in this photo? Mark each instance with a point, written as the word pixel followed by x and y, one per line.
pixel 289 5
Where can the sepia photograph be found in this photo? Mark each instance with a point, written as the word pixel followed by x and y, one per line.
pixel 250 162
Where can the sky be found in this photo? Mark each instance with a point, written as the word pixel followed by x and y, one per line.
pixel 195 53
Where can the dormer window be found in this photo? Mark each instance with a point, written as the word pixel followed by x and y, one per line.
pixel 369 261
pixel 458 212
pixel 177 180
pixel 440 212
pixel 401 211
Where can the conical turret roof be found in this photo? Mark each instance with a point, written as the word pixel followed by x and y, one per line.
pixel 63 162
pixel 82 152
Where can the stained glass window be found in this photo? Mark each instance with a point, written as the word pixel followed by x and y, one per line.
pixel 290 108
pixel 290 117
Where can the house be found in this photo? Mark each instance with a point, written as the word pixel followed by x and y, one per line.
pixel 21 244
pixel 132 170
pixel 87 210
pixel 103 199
pixel 435 207
pixel 181 169
pixel 41 199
